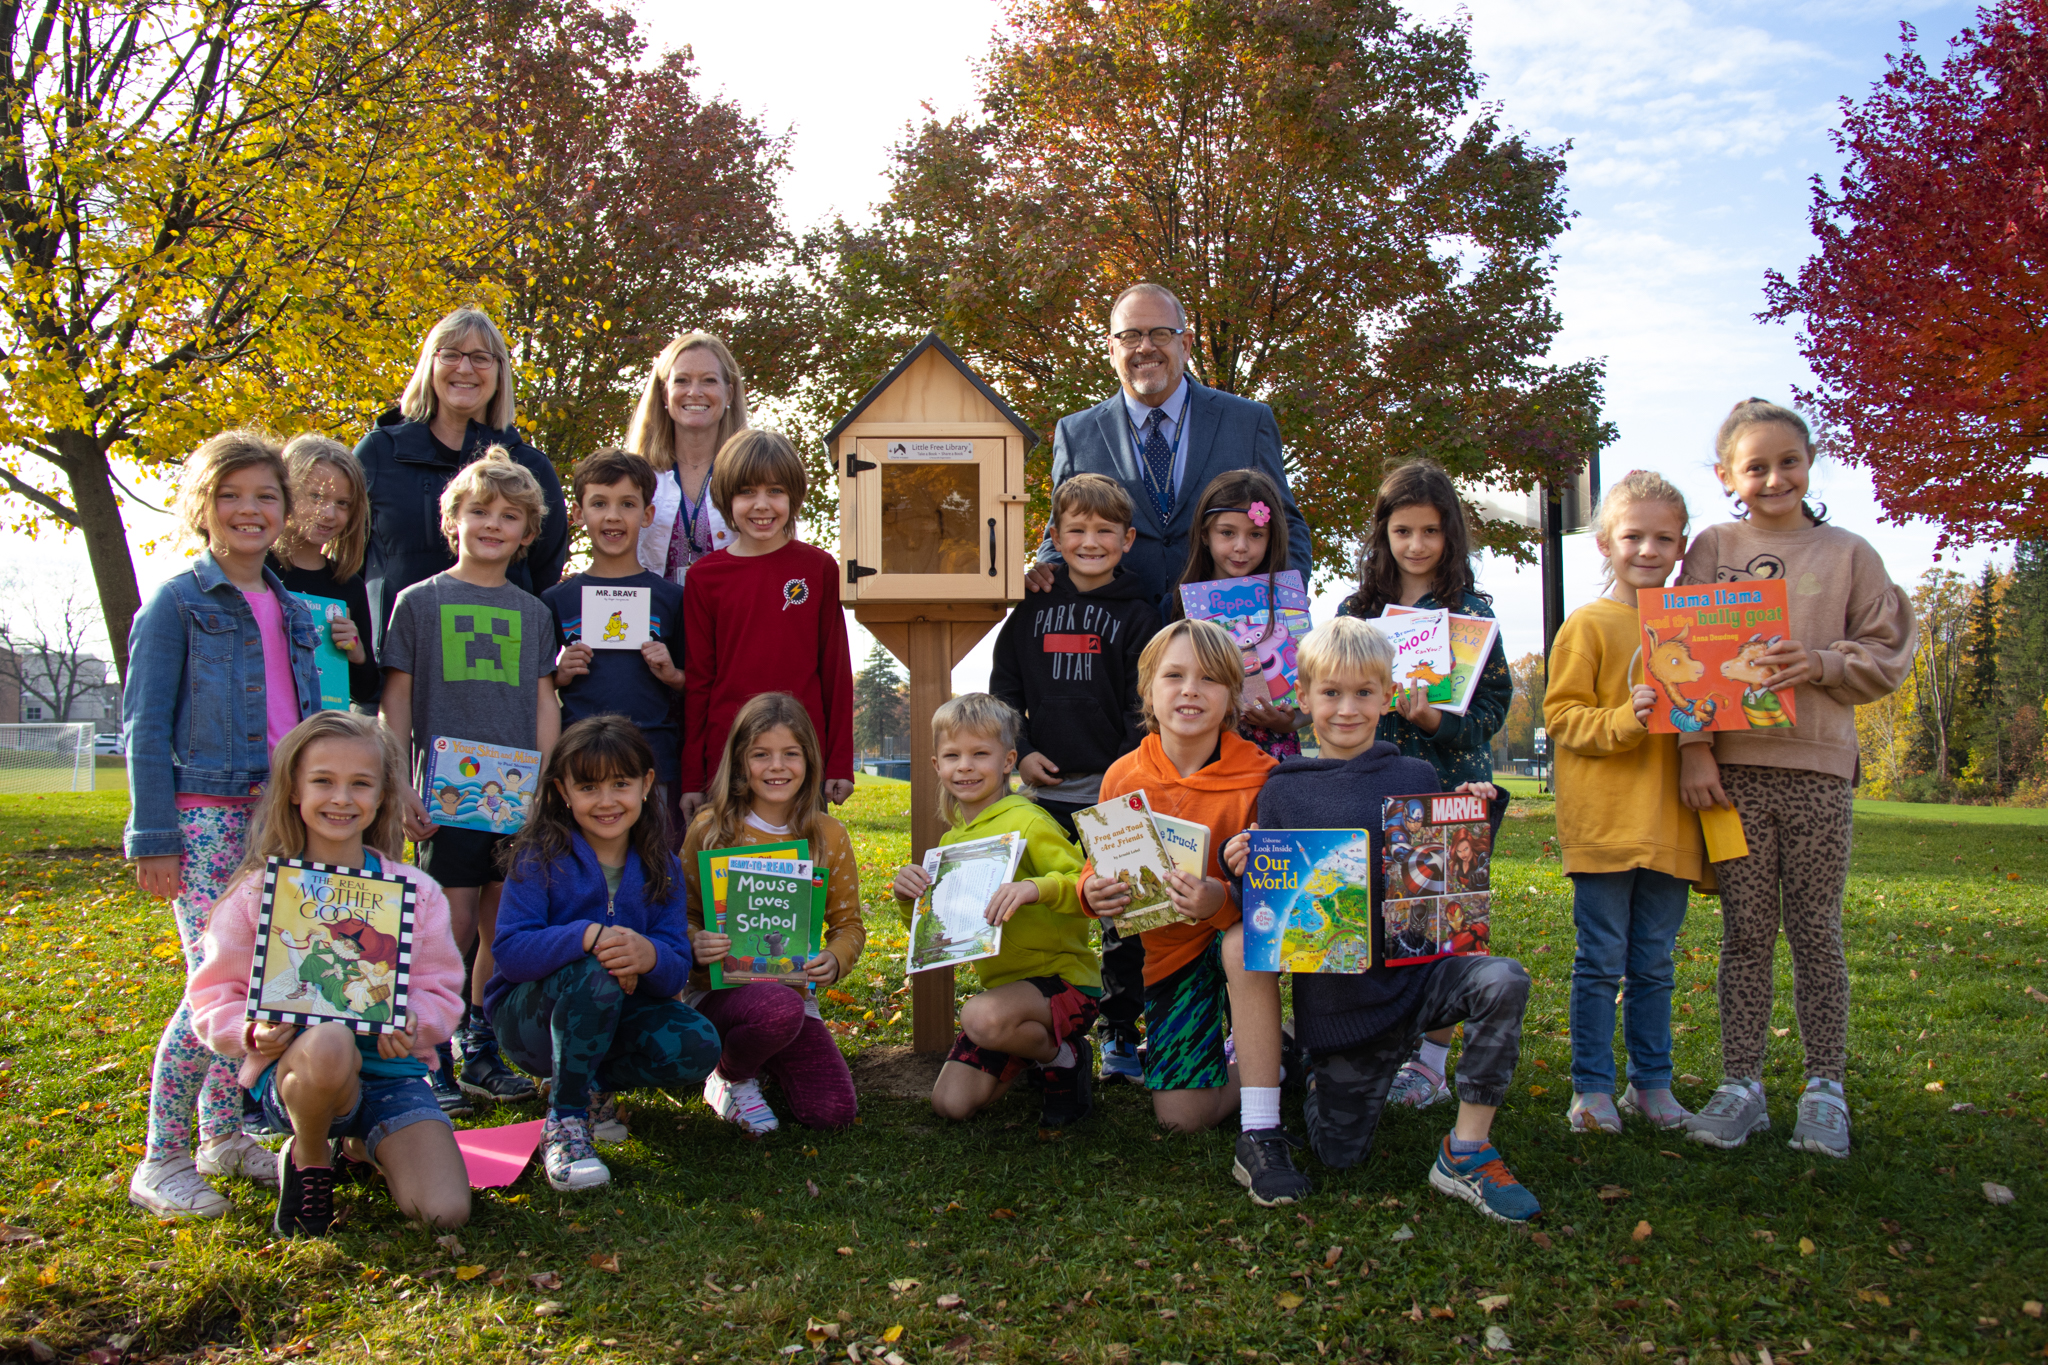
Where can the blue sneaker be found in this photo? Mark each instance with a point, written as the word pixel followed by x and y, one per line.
pixel 1120 1063
pixel 1482 1180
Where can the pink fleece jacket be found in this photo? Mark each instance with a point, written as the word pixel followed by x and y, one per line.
pixel 218 993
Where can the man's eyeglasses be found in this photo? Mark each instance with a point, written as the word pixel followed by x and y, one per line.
pixel 1130 338
pixel 448 359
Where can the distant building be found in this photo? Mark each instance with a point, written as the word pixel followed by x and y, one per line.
pixel 94 697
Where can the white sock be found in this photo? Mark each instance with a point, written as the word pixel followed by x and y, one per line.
pixel 1064 1057
pixel 1258 1106
pixel 1434 1055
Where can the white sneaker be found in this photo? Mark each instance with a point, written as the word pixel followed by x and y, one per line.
pixel 741 1103
pixel 239 1154
pixel 173 1188
pixel 607 1123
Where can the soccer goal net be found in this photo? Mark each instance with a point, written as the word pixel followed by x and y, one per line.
pixel 46 758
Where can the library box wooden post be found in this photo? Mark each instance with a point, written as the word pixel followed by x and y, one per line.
pixel 933 544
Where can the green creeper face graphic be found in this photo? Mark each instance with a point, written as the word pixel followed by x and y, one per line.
pixel 479 644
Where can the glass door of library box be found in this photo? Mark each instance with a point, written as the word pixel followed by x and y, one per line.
pixel 932 520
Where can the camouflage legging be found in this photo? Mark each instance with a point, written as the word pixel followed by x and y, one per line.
pixel 580 1028
pixel 1347 1091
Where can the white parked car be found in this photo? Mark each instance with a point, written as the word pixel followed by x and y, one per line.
pixel 107 744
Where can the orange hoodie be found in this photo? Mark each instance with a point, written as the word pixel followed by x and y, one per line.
pixel 1225 797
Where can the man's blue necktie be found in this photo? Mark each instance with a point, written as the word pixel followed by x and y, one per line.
pixel 1159 461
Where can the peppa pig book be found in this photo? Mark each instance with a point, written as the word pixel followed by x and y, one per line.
pixel 1267 614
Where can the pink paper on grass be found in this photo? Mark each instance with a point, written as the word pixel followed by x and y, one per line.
pixel 494 1157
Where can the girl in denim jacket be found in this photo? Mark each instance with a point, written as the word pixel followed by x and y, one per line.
pixel 220 668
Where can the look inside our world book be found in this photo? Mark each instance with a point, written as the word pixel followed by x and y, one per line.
pixel 1124 845
pixel 1437 859
pixel 332 944
pixel 1268 625
pixel 1308 900
pixel 477 786
pixel 949 924
pixel 773 910
pixel 1703 646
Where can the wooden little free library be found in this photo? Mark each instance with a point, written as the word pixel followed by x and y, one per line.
pixel 933 544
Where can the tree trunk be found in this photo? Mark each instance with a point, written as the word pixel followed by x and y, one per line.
pixel 84 462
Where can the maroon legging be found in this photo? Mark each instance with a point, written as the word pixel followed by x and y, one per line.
pixel 763 1028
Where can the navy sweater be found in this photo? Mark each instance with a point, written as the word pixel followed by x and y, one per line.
pixel 541 921
pixel 1333 1012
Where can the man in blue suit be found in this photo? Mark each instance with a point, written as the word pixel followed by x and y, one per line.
pixel 1165 437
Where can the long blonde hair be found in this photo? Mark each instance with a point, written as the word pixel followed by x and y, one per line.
pixel 731 795
pixel 419 402
pixel 652 434
pixel 303 454
pixel 277 830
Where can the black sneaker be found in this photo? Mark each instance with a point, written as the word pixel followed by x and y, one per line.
pixel 1069 1090
pixel 447 1094
pixel 1265 1165
pixel 305 1199
pixel 486 1077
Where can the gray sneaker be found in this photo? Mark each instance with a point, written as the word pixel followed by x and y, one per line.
pixel 1416 1086
pixel 1658 1106
pixel 1823 1126
pixel 568 1157
pixel 1736 1110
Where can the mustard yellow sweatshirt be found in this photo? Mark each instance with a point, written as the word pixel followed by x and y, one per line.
pixel 1616 783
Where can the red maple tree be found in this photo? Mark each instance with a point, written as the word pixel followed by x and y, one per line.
pixel 1926 308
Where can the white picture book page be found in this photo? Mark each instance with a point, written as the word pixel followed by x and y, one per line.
pixel 615 618
pixel 1422 645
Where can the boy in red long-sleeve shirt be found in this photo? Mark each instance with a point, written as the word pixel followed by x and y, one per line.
pixel 763 615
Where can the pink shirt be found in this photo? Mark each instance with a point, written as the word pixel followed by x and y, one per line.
pixel 280 690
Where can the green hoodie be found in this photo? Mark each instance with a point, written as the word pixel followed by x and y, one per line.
pixel 1051 937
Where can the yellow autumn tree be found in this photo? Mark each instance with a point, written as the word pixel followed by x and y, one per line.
pixel 215 213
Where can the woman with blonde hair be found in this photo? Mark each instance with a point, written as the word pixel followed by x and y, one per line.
pixel 695 400
pixel 457 405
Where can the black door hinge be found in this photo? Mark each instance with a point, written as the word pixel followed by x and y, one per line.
pixel 855 573
pixel 855 464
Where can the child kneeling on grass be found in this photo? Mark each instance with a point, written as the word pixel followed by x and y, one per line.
pixel 1194 766
pixel 1039 995
pixel 336 797
pixel 1358 1030
pixel 593 945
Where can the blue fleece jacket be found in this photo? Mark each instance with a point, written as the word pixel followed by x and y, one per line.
pixel 1332 1012
pixel 544 912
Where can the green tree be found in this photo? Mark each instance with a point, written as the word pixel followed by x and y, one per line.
pixel 1941 602
pixel 214 214
pixel 1525 712
pixel 881 705
pixel 1358 240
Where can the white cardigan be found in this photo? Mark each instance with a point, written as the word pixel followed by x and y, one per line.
pixel 668 502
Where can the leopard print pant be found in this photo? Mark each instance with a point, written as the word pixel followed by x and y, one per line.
pixel 1798 827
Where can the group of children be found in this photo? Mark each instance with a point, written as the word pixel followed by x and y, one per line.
pixel 585 947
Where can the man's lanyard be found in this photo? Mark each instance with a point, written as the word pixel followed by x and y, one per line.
pixel 1180 431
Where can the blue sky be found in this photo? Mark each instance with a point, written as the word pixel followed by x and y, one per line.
pixel 1695 129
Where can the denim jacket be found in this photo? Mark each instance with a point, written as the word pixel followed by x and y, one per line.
pixel 192 705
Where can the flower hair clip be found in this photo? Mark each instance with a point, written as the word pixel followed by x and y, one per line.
pixel 1259 513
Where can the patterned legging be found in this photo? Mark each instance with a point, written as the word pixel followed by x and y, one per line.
pixel 187 1071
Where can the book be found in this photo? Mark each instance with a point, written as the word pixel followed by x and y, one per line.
pixel 1437 859
pixel 1124 845
pixel 947 923
pixel 330 661
pixel 1702 644
pixel 1422 646
pixel 1268 626
pixel 332 943
pixel 712 881
pixel 1472 639
pixel 1187 843
pixel 1308 901
pixel 468 785
pixel 773 910
pixel 616 618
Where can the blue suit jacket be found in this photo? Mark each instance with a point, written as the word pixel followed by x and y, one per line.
pixel 1224 433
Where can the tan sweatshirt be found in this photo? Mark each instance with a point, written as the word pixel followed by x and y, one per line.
pixel 1843 606
pixel 1616 783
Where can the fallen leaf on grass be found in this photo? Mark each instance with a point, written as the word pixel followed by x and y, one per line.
pixel 1935 1087
pixel 605 1261
pixel 549 1308
pixel 1913 973
pixel 1997 1193
pixel 1332 1256
pixel 1642 1232
pixel 134 1148
pixel 1444 1312
pixel 1003 1213
pixel 1673 1155
pixel 1781 1032
pixel 12 1236
pixel 2032 1308
pixel 948 1302
pixel 1289 1302
pixel 47 1276
pixel 1691 1080
pixel 1403 1233
pixel 1542 1239
pixel 1806 1246
pixel 1497 1340
pixel 1876 1296
pixel 1763 1234
pixel 894 1334
pixel 1539 1090
pixel 547 1279
pixel 903 1286
pixel 1611 1194
pixel 1414 1313
pixel 812 1186
pixel 1493 1303
pixel 466 1273
pixel 816 1331
pixel 846 1251
pixel 1890 1225
pixel 2034 994
pixel 449 1243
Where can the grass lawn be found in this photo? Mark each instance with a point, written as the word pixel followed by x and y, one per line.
pixel 980 1242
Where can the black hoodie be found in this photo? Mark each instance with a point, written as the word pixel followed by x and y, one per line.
pixel 1333 1013
pixel 1068 661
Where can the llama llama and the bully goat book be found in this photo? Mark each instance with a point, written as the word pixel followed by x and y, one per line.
pixel 1702 650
